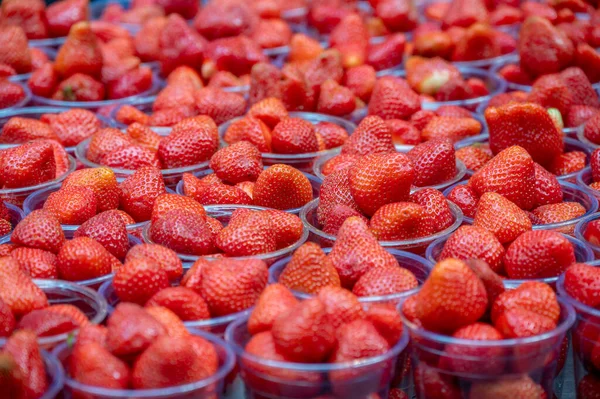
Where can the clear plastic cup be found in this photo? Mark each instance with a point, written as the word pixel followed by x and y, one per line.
pixel 208 388
pixel 36 113
pixel 23 102
pixel 571 193
pixel 285 380
pixel 223 213
pixel 580 229
pixel 55 375
pixel 308 214
pixel 570 145
pixel 17 196
pixel 304 161
pixel 157 83
pixel 493 81
pixel 474 362
pixel 584 337
pixel 584 179
pixel 59 292
pixel 581 137
pixel 52 42
pixel 583 254
pixel 214 325
pixel 315 182
pixel 16 215
pixel 24 77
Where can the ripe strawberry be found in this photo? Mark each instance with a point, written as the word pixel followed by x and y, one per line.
pixel 372 136
pixel 591 129
pixel 10 94
pixel 29 15
pixel 533 296
pixel 336 217
pixel 520 323
pixel 106 141
pixel 579 114
pixel 274 301
pixel 235 54
pixel 40 229
pixel 8 320
pixel 341 305
pixel 71 205
pixel 452 128
pixel 473 156
pixel 427 76
pixel 357 339
pixel 309 270
pixel 561 212
pixel 92 364
pixel 465 198
pixel 131 330
pixel 501 216
pixel 369 175
pixel 479 42
pixel 282 187
pixel 173 95
pixel 27 165
pixel 167 258
pixel 303 48
pixel 179 45
pixel 83 258
pixel 131 157
pixel 270 111
pixel 335 99
pixel 587 59
pixel 550 91
pixel 393 99
pixel 333 135
pixel 16 54
pixel 505 389
pixel 128 114
pixel 191 141
pixel 265 80
pixel 25 352
pixel 339 162
pixel 335 190
pixel 139 280
pixel 351 38
pixel 568 162
pixel 80 53
pixel 219 193
pixel 237 163
pixel 173 325
pixel 385 281
pixel 435 205
pixel 433 162
pixel 18 291
pixel 183 302
pixel 143 136
pixel 510 173
pixel 473 242
pixel 403 132
pixel 581 282
pixel 538 254
pixel 361 80
pixel 108 229
pixel 133 82
pixel 167 202
pixel 454 90
pixel 101 181
pixel 20 130
pixel 183 232
pixel 580 87
pixel 490 279
pixel 294 136
pixel 249 129
pixel 140 190
pixel 356 251
pixel 286 227
pixel 465 13
pixel 547 187
pixel 74 126
pixel 401 221
pixel 46 324
pixel 63 14
pixel 387 54
pixel 545 49
pixel 220 105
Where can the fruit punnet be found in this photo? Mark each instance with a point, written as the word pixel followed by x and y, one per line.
pixel 464 308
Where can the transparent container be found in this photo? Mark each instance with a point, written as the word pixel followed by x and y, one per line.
pixel 583 254
pixel 36 113
pixel 24 77
pixel 16 215
pixel 91 303
pixel 584 340
pixel 157 83
pixel 284 380
pixel 17 196
pixel 584 179
pixel 581 137
pixel 208 388
pixel 52 42
pixel 308 214
pixel 23 102
pixel 493 81
pixel 223 213
pixel 304 161
pixel 570 145
pixel 571 193
pixel 580 229
pixel 315 182
pixel 475 362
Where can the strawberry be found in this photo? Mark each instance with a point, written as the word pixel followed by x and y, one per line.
pixel 452 128
pixel 133 82
pixel 101 181
pixel 587 59
pixel 218 104
pixel 219 193
pixel 433 44
pixel 544 48
pixel 385 281
pixel 139 280
pixel 287 228
pixel 341 305
pixel 29 15
pixel 92 364
pixel 465 198
pixel 465 13
pixel 191 141
pixel 473 156
pixel 27 165
pixel 372 136
pixel 183 232
pixel 265 82
pixel 568 162
pixel 532 296
pixel 339 162
pixel 167 202
pixel 16 55
pixel 46 324
pixel 547 187
pixel 510 173
pixel 74 126
pixel 71 205
pixel 351 38
pixel 538 254
pixel 18 291
pixel 337 216
pixel 8 320
pixel 173 325
pixel 294 136
pixel 357 339
pixel 231 286
pixel 274 301
pixel 335 190
pixel 490 279
pixel 473 242
pixel 183 302
pixel 393 99
pixel 63 14
pixel 387 54
pixel 237 163
pixel 335 99
pixel 453 111
pixel 179 45
pixel 173 95
pixel 550 91
pixel 128 114
pixel 282 187
pixel 139 191
pixel 271 33
pixel 356 251
pixel 44 80
pixel 270 110
pixel 397 15
pixel 167 258
pixel 131 157
pixel 83 258
pixel 501 216
pixel 427 76
pixel 403 132
pixel 143 136
pixel 309 270
pixel 224 19
pixel 333 135
pixel 234 54
pixel 80 53
pixel 303 48
pixel 436 206
pixel 523 386
pixel 40 229
pixel 591 129
pixel 580 87
pixel 361 80
pixel 249 129
pixel 108 229
pixel 579 114
pixel 105 142
pixel 25 352
pixel 581 282
pixel 131 330
pixel 250 234
pixel 433 162
pixel 369 175
pixel 454 90
pixel 401 221
pixel 479 42
pixel 520 323
pixel 561 212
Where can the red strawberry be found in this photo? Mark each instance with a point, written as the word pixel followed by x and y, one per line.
pixel 237 163
pixel 131 158
pixel 274 301
pixel 473 242
pixel 133 82
pixel 372 136
pixel 479 42
pixel 8 320
pixel 505 389
pixel 465 13
pixel 40 229
pixel 427 76
pixel 63 14
pixel 550 91
pixel 452 128
pixel 218 104
pixel 74 126
pixel 173 95
pixel 303 48
pixel 219 193
pixel 20 130
pixel 403 132
pixel 101 181
pixel 356 251
pixel 10 94
pixel 184 302
pixel 139 280
pixel 473 156
pixel 230 286
pixel 183 232
pixel 465 198
pixel 282 187
pixel 361 80
pixel 106 141
pixel 27 165
pixel 72 205
pixel 544 48
pixel 561 212
pixel 309 270
pixel 143 136
pixel 128 114
pixel 350 37
pixel 235 54
pixel 108 229
pixel 532 296
pixel 265 83
pixel 520 323
pixel 131 330
pixel 25 351
pixel 490 279
pixel 393 99
pixel 335 190
pixel 587 59
pixel 547 187
pixel 568 162
pixel 339 162
pixel 341 305
pixel 433 162
pixel 294 136
pixel 580 87
pixel 83 258
pixel 191 141
pixel 92 364
pixel 167 258
pixel 510 173
pixel 286 227
pixel 167 202
pixel 250 234
pixel 335 99
pixel 80 53
pixel 357 339
pixel 79 87
pixel 336 217
pixel 249 129
pixel 387 54
pixel 46 324
pixel 401 221
pixel 139 191
pixel 270 110
pixel 581 282
pixel 435 205
pixel 501 216
pixel 385 281
pixel 454 90
pixel 538 254
pixel 16 55
pixel 18 291
pixel 179 45
pixel 591 129
pixel 579 114
pixel 333 135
